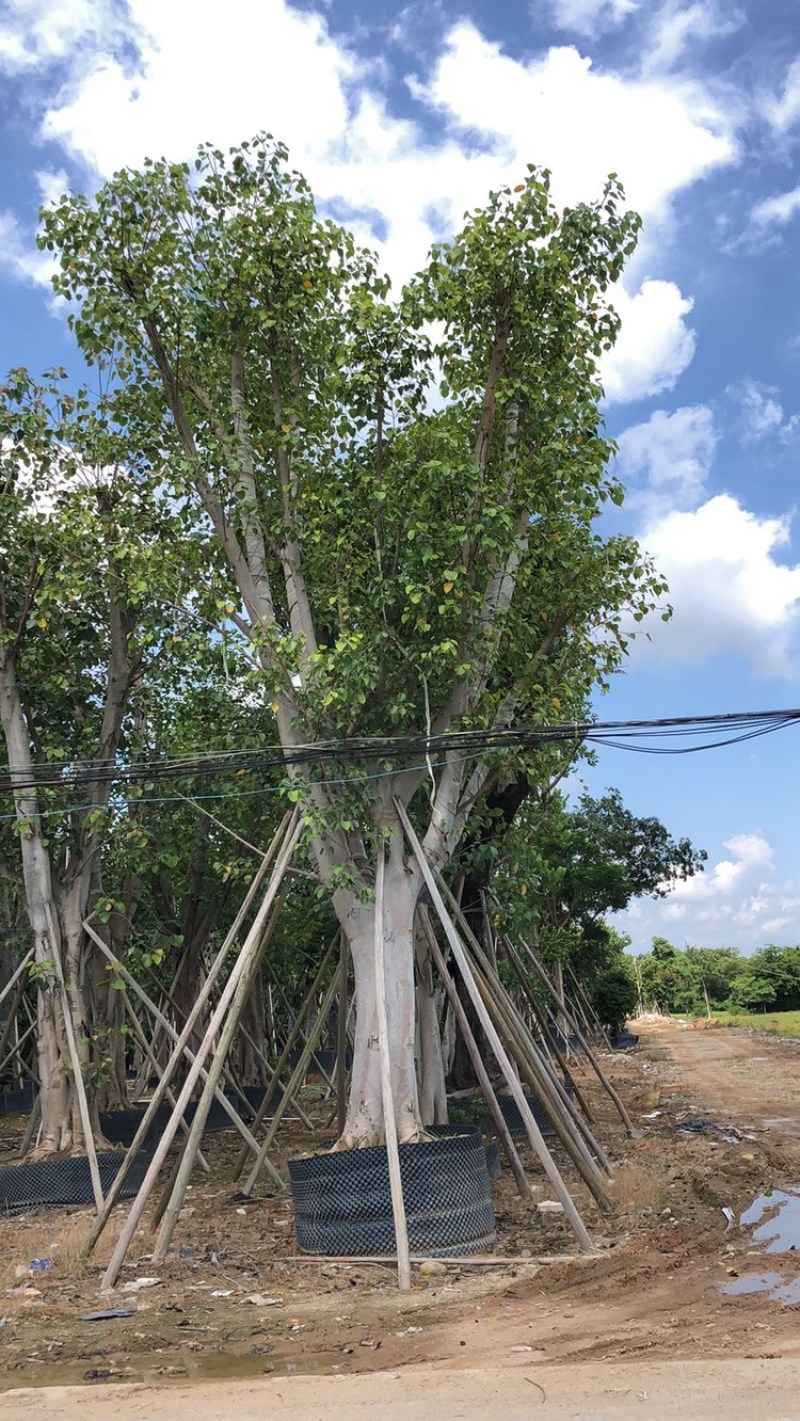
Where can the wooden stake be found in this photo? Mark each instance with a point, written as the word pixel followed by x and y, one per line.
pixel 389 1119
pixel 149 1055
pixel 248 947
pixel 481 1072
pixel 166 1074
pixel 533 1131
pixel 294 1034
pixel 13 980
pixel 186 1164
pixel 341 1035
pixel 296 1077
pixel 77 1074
pixel 582 1042
pixel 575 1135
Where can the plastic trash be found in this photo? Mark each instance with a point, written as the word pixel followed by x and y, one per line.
pixel 106 1315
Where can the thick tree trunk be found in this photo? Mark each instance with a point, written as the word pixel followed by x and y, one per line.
pixel 365 1122
pixel 52 1052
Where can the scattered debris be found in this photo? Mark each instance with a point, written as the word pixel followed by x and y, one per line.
pixel 137 1285
pixel 106 1315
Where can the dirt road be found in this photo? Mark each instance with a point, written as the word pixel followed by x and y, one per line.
pixel 649 1328
pixel 664 1391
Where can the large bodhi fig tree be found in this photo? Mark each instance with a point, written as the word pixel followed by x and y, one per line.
pixel 404 490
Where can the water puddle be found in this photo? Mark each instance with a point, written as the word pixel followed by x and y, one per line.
pixel 775 1222
pixel 754 1283
pixel 780 1212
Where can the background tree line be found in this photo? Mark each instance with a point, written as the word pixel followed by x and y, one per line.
pixel 697 980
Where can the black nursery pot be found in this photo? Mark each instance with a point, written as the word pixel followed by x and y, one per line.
pixel 511 1114
pixel 54 1183
pixel 343 1201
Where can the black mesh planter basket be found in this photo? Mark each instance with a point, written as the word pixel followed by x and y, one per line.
pixel 343 1201
pixel 15 1102
pixel 513 1119
pixel 624 1040
pixel 54 1183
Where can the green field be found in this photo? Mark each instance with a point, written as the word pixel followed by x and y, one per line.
pixel 783 1023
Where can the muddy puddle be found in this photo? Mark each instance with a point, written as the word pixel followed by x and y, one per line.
pixel 774 1219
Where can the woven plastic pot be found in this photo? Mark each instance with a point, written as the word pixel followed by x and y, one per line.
pixel 343 1201
pixel 14 1102
pixel 624 1040
pixel 55 1183
pixel 513 1119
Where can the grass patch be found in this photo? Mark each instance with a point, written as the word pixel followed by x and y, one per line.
pixel 783 1023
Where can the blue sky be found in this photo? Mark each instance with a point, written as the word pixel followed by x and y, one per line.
pixel 402 116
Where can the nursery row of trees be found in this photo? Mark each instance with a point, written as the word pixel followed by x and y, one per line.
pixel 294 533
pixel 696 980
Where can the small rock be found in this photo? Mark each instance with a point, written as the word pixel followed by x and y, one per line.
pixel 666 1213
pixel 260 1301
pixel 432 1265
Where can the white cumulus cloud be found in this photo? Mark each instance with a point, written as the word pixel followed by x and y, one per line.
pixel 665 461
pixel 155 78
pixel 655 344
pixel 730 592
pixel 740 901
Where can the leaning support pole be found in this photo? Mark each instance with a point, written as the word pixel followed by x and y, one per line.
pixel 549 1039
pixel 286 1092
pixel 150 1056
pixel 219 1056
pixel 77 1075
pixel 481 1072
pixel 573 1132
pixel 389 1119
pixel 248 948
pixel 533 1131
pixel 539 1074
pixel 582 1042
pixel 295 1081
pixel 341 1035
pixel 587 1007
pixel 13 980
pixel 167 1072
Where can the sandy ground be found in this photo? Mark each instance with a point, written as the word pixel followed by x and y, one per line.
pixel 648 1328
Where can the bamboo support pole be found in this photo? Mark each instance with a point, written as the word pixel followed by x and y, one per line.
pixel 303 1013
pixel 167 1071
pixel 12 981
pixel 293 1036
pixel 17 1047
pixel 533 1131
pixel 512 1154
pixel 573 1132
pixel 550 1040
pixel 30 1128
pixel 341 1035
pixel 548 1089
pixel 220 1052
pixel 12 1017
pixel 588 1006
pixel 249 948
pixel 389 1118
pixel 149 1055
pixel 597 1068
pixel 296 1076
pixel 77 1074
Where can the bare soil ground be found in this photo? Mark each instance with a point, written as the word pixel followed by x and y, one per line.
pixel 653 1298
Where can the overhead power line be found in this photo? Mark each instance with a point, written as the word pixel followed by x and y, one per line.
pixel 679 735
